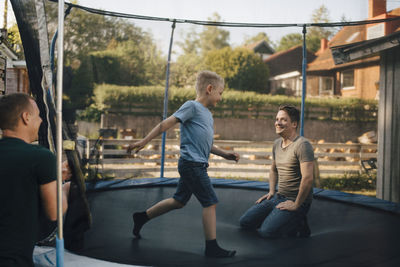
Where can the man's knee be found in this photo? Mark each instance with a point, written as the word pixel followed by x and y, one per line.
pixel 245 222
pixel 268 233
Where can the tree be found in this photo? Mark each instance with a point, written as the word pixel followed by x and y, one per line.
pixel 195 46
pixel 86 32
pixel 288 41
pixel 241 68
pixel 102 49
pixel 191 43
pixel 14 40
pixel 127 63
pixel 213 37
pixel 184 70
pixel 315 34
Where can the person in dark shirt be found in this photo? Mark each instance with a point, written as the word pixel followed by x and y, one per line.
pixel 27 180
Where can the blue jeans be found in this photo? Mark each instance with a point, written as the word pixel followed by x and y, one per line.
pixel 194 180
pixel 273 222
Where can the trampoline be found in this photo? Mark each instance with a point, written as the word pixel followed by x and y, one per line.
pixel 347 229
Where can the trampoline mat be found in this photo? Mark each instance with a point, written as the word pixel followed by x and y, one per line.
pixel 342 234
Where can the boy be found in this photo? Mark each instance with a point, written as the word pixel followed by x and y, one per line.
pixel 196 145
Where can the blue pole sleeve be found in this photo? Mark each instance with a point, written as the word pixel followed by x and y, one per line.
pixel 60 252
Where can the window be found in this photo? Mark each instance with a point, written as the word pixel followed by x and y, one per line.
pixel 347 79
pixel 325 85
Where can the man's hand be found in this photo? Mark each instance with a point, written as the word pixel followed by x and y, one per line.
pixel 287 205
pixel 267 196
pixel 136 147
pixel 66 171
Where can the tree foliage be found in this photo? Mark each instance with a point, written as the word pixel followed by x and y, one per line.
pixel 195 47
pixel 314 34
pixel 288 41
pixel 212 37
pixel 102 49
pixel 127 63
pixel 241 68
pixel 184 70
pixel 85 32
pixel 14 40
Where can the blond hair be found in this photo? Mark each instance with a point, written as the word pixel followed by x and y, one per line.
pixel 205 78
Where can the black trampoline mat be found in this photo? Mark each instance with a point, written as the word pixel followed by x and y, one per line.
pixel 342 234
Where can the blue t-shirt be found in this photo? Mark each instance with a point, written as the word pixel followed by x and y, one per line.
pixel 197 131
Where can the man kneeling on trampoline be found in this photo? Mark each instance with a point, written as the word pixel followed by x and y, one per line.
pixel 283 213
pixel 197 132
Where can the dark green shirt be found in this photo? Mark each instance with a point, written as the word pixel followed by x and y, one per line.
pixel 23 168
pixel 288 161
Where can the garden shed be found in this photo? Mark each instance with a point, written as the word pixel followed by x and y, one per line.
pixel 388 47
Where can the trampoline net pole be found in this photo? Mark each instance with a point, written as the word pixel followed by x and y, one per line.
pixel 165 114
pixel 304 74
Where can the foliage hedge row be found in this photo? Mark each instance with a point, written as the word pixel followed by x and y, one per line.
pixel 107 97
pixel 350 182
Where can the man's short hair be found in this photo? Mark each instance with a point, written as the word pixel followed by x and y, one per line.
pixel 292 111
pixel 206 77
pixel 11 108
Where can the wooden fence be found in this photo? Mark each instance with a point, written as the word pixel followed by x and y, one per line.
pixel 110 159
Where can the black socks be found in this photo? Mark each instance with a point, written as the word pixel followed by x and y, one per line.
pixel 139 219
pixel 215 251
pixel 212 247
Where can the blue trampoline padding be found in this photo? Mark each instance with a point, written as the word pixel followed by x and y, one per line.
pixel 349 198
pixel 46 257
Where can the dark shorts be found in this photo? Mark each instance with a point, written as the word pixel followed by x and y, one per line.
pixel 194 180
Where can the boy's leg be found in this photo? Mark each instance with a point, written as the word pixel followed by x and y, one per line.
pixel 210 222
pixel 164 206
pixel 196 181
pixel 209 225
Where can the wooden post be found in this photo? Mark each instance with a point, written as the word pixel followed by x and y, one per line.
pixel 388 179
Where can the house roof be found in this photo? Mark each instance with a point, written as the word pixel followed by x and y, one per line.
pixel 365 49
pixel 347 35
pixel 261 47
pixel 287 61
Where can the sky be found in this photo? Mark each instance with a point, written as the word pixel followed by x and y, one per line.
pixel 256 11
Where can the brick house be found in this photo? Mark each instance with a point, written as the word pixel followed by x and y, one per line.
pixel 286 70
pixel 359 78
pixel 13 72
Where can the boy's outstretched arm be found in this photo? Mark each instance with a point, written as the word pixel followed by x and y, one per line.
pixel 226 155
pixel 161 127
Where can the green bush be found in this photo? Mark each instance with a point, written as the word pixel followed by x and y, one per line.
pixel 151 99
pixel 350 182
pixel 241 68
